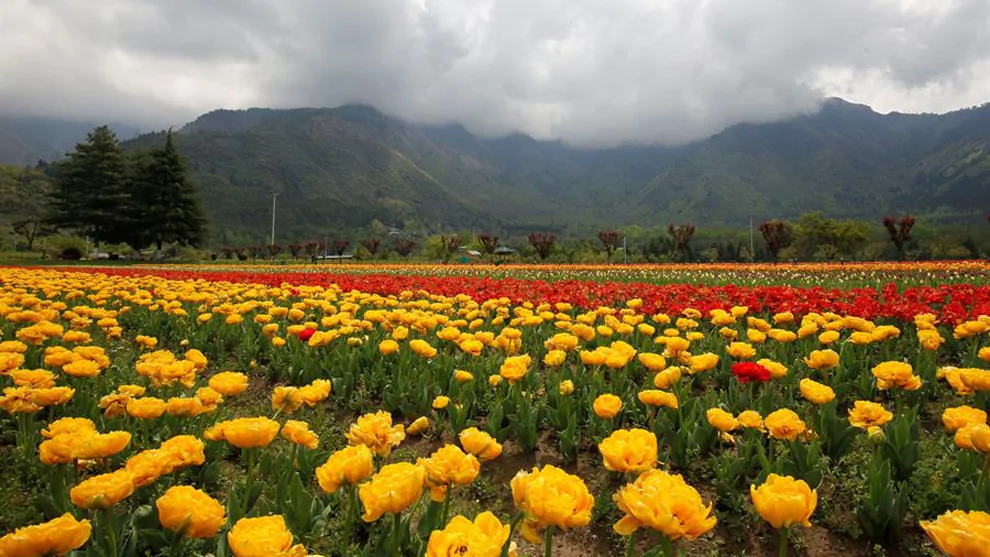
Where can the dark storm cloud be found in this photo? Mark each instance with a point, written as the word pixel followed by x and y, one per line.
pixel 588 71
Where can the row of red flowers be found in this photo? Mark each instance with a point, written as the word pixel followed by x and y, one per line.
pixel 952 303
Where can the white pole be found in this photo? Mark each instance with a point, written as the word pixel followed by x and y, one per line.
pixel 752 247
pixel 274 195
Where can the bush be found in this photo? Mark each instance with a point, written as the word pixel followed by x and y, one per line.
pixel 71 253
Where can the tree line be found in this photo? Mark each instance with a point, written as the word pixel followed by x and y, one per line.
pixel 139 198
pixel 145 198
pixel 810 237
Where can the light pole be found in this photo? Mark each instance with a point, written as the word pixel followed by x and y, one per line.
pixel 274 195
pixel 752 245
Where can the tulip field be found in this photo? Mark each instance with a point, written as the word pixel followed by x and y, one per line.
pixel 454 410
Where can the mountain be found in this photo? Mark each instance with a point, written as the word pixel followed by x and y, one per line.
pixel 352 166
pixel 25 140
pixel 845 160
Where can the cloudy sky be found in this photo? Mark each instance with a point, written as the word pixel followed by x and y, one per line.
pixel 586 71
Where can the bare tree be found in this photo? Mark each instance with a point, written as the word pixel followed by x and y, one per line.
pixel 450 246
pixel 542 243
pixel 372 245
pixel 682 234
pixel 776 236
pixel 900 232
pixel 610 239
pixel 489 244
pixel 404 246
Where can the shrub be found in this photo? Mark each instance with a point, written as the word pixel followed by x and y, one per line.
pixel 71 253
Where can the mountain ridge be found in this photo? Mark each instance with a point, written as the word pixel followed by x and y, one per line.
pixel 353 166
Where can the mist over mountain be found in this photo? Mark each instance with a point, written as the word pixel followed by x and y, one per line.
pixel 349 167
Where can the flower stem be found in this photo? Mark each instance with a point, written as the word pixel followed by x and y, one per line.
pixel 111 533
pixel 25 426
pixel 548 546
pixel 352 511
pixel 512 530
pixel 396 523
pixel 631 545
pixel 248 481
pixel 446 506
pixel 783 542
pixel 983 472
pixel 668 546
pixel 175 548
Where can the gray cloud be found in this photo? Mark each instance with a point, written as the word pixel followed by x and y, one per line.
pixel 590 72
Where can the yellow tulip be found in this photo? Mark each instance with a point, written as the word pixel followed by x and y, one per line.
pixel 351 464
pixel 422 348
pixel 388 347
pixel 721 420
pixel 777 370
pixel 783 501
pixel 78 426
pixel 418 426
pixel 34 378
pixel 376 432
pixel 703 362
pixel 52 396
pixel 264 536
pixel 147 466
pixel 298 432
pixel 865 414
pixel 55 537
pixel 629 450
pixel 896 375
pixel 480 444
pixel 665 503
pixel 750 419
pixel 101 445
pixel 514 368
pixel 607 406
pixel 960 416
pixel 392 490
pixel 315 392
pixel 229 383
pixel 245 433
pixel 784 424
pixel 960 534
pixel 440 402
pixel 667 378
pixel 190 512
pixel 449 466
pixel 485 537
pixel 815 392
pixel 286 400
pixel 652 362
pixel 741 350
pixel 553 497
pixel 103 491
pixel 655 397
pixel 822 359
pixel 146 408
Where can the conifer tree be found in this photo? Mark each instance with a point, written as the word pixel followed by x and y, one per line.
pixel 167 201
pixel 90 194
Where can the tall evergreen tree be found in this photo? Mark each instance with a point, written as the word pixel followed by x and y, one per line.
pixel 168 201
pixel 90 194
